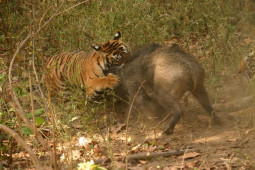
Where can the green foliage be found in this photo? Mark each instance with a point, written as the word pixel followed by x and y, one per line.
pixel 38 112
pixel 39 121
pixel 26 131
pixel 20 91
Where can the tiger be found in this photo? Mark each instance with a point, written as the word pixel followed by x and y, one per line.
pixel 247 65
pixel 87 70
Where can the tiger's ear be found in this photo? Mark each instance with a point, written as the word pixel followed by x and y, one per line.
pixel 96 47
pixel 117 36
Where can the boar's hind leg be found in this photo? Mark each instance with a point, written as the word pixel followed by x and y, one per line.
pixel 202 97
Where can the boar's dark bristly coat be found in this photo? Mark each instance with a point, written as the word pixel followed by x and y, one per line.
pixel 169 73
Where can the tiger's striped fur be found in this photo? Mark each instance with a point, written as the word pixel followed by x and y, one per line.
pixel 86 70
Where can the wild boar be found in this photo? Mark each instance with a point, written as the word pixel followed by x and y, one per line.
pixel 168 73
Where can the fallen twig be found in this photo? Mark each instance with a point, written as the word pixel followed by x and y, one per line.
pixel 145 155
pixel 148 155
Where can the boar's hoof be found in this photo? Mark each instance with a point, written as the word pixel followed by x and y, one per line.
pixel 168 132
pixel 216 120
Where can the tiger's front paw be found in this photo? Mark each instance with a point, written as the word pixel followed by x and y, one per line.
pixel 90 93
pixel 112 81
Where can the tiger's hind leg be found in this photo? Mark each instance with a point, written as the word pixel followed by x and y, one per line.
pixel 110 81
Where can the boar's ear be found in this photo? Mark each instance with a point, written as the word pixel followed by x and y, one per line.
pixel 96 47
pixel 117 36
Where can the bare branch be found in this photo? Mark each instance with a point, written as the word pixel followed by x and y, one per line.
pixel 53 130
pixel 17 105
pixel 21 113
pixel 23 144
pixel 159 123
pixel 45 12
pixel 23 43
pixel 72 7
pixel 32 102
pixel 129 112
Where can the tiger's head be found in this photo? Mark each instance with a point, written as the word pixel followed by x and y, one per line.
pixel 115 51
